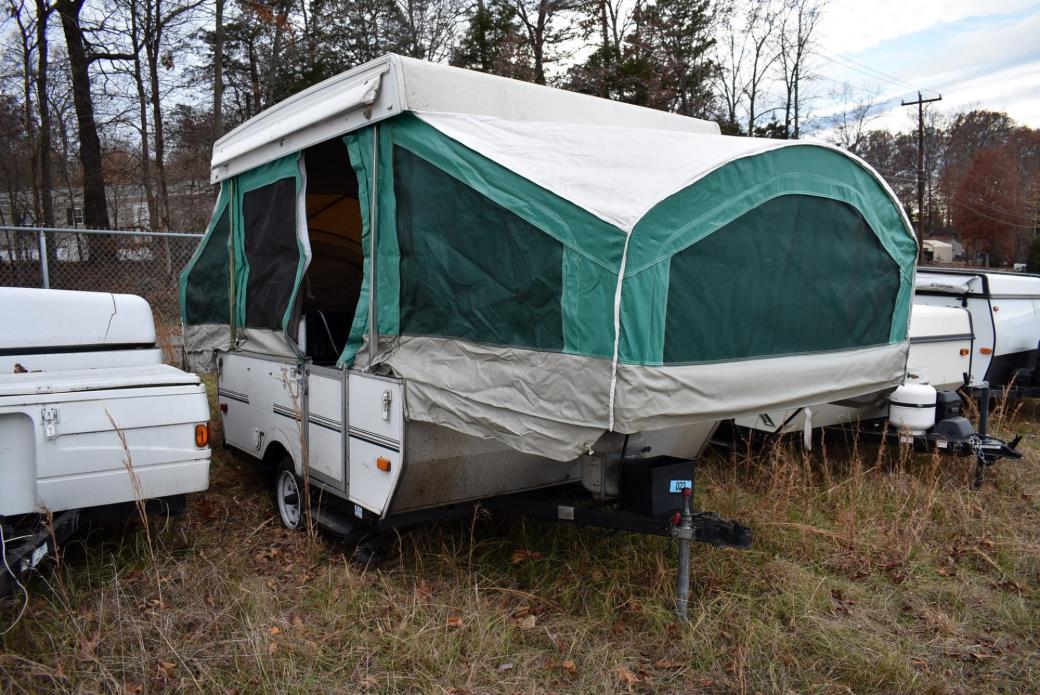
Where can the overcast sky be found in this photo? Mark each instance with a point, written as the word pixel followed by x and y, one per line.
pixel 975 52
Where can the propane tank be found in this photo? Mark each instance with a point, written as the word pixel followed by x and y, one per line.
pixel 911 407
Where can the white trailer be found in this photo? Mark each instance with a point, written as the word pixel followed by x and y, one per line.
pixel 91 420
pixel 1005 318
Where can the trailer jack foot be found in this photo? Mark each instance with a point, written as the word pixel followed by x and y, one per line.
pixel 683 532
pixel 703 527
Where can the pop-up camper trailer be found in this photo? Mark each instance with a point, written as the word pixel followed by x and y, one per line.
pixel 467 286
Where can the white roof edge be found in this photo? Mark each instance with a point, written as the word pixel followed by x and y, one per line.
pixel 392 84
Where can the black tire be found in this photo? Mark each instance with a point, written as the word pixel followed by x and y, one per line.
pixel 288 495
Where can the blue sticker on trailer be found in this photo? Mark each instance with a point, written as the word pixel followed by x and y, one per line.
pixel 676 486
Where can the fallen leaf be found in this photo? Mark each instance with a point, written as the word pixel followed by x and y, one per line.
pixel 570 667
pixel 668 663
pixel 454 621
pixel 297 621
pixel 369 682
pixel 521 554
pixel 88 646
pixel 275 630
pixel 626 676
pixel 529 622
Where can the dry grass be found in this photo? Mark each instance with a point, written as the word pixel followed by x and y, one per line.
pixel 869 573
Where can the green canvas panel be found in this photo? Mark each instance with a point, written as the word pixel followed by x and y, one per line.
pixel 797 274
pixel 204 282
pixel 593 247
pixel 286 167
pixel 272 251
pixel 572 226
pixel 589 290
pixel 359 148
pixel 707 205
pixel 471 269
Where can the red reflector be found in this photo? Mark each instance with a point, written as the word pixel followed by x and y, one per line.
pixel 223 407
pixel 383 464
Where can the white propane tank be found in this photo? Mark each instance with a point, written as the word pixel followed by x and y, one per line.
pixel 911 407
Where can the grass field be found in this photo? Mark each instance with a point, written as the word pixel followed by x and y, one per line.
pixel 870 573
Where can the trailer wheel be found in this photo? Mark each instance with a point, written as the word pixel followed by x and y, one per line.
pixel 288 494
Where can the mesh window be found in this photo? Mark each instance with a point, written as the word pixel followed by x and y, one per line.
pixel 272 252
pixel 206 291
pixel 470 268
pixel 797 274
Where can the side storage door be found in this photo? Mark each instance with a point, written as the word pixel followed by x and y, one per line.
pixel 376 439
pixel 325 426
pixel 236 385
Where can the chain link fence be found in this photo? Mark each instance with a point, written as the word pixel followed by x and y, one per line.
pixel 142 263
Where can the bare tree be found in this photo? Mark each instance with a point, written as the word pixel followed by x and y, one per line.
pixel 797 34
pixel 43 13
pixel 856 110
pixel 430 27
pixel 218 69
pixel 545 30
pixel 26 45
pixel 731 48
pixel 760 28
pixel 95 209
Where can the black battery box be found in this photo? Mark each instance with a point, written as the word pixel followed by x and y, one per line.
pixel 947 405
pixel 653 486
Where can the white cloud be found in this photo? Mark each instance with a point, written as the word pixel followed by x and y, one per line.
pixel 993 62
pixel 851 26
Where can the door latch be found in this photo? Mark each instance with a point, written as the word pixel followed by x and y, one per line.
pixel 387 398
pixel 50 422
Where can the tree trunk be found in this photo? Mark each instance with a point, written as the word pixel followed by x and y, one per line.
pixel 142 115
pixel 27 111
pixel 95 210
pixel 43 12
pixel 152 44
pixel 218 72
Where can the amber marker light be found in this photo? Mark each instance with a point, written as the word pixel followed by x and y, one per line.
pixel 383 464
pixel 964 352
pixel 986 351
pixel 202 435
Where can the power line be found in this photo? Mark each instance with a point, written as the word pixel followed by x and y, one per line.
pixel 833 58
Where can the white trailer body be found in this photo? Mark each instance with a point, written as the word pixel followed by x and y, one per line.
pixel 1005 315
pixel 355 420
pixel 75 367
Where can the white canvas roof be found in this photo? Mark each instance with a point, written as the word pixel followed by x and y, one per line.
pixel 393 84
pixel 618 183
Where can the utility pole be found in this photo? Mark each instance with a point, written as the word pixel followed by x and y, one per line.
pixel 920 102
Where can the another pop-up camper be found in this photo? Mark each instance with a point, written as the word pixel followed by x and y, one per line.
pixel 91 420
pixel 424 285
